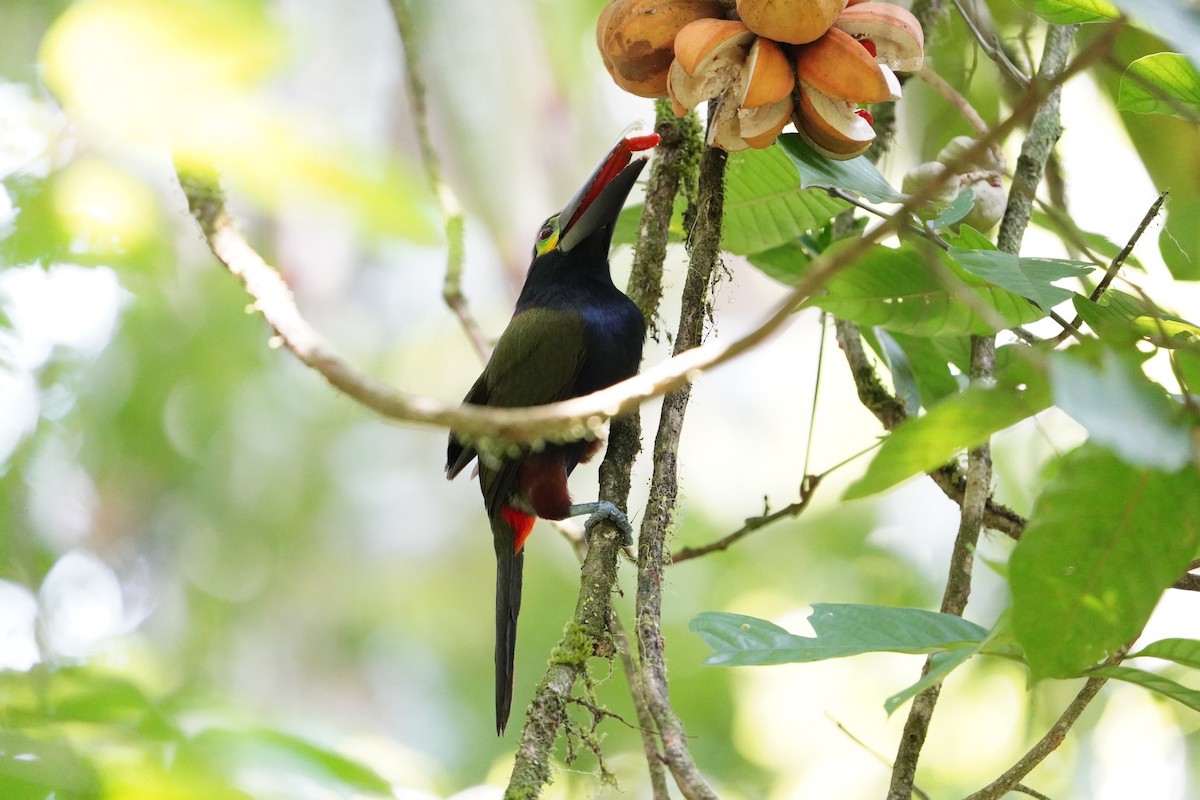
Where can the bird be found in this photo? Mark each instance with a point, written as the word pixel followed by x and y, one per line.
pixel 573 332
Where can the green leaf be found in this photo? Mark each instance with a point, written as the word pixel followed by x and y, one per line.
pixel 967 238
pixel 1187 365
pixel 1070 12
pixel 84 694
pixel 764 205
pixel 1162 83
pixel 788 263
pixel 1153 682
pixel 1029 277
pixel 941 665
pixel 921 444
pixel 1103 542
pixel 958 208
pixel 1181 651
pixel 842 630
pixel 630 220
pixel 36 769
pixel 1179 239
pixel 919 293
pixel 1122 318
pixel 858 175
pixel 1121 409
pixel 928 362
pixel 265 747
pixel 1176 22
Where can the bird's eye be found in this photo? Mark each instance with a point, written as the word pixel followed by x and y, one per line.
pixel 545 233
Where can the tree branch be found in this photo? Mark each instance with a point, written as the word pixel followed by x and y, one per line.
pixel 1044 132
pixel 1044 747
pixel 590 632
pixel 452 214
pixel 567 419
pixel 807 490
pixel 660 506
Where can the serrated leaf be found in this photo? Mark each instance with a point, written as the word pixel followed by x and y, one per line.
pixel 1070 12
pixel 842 630
pixel 1162 83
pixel 921 444
pixel 941 665
pixel 1153 682
pixel 1181 651
pixel 899 289
pixel 858 175
pixel 766 207
pixel 1028 277
pixel 1103 542
pixel 1120 407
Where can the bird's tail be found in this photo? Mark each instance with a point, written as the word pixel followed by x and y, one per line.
pixel 509 530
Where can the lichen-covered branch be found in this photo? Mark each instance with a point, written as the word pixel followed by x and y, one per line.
pixel 660 506
pixel 452 215
pixel 590 632
pixel 671 174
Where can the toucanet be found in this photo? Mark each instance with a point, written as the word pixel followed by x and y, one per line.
pixel 573 332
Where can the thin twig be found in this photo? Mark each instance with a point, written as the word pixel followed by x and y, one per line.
pixel 958 582
pixel 752 524
pixel 452 214
pixel 880 757
pixel 954 98
pixel 991 47
pixel 646 727
pixel 1045 746
pixel 1119 261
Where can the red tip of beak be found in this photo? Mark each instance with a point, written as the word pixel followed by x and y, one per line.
pixel 617 160
pixel 636 144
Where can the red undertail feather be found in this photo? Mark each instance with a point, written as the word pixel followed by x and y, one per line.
pixel 521 523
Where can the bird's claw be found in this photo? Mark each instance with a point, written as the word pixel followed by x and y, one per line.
pixel 598 512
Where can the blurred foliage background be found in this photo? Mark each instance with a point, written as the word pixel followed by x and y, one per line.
pixel 219 578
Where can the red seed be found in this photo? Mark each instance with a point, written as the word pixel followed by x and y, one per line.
pixel 862 112
pixel 870 47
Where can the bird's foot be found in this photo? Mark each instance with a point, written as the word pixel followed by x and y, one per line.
pixel 599 511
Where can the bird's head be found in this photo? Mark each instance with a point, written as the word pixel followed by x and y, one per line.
pixel 592 213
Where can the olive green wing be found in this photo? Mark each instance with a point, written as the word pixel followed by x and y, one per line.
pixel 536 361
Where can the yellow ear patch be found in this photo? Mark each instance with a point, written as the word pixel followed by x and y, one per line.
pixel 547 238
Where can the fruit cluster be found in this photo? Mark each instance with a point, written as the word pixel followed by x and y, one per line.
pixel 811 62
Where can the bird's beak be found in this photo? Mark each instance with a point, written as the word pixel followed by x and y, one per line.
pixel 597 204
